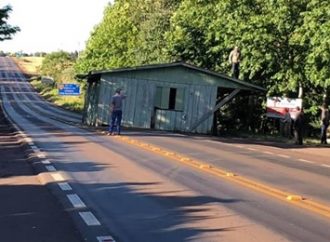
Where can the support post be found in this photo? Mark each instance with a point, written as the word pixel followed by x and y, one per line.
pixel 206 115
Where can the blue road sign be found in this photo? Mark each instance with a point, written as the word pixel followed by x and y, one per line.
pixel 69 89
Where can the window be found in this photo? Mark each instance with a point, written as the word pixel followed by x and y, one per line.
pixel 169 98
pixel 172 98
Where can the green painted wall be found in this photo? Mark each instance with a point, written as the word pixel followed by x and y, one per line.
pixel 196 89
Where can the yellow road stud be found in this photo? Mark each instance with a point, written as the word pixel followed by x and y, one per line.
pixel 168 153
pixel 205 166
pixel 185 159
pixel 294 198
pixel 230 174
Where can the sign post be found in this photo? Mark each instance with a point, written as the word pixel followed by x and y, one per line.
pixel 69 89
pixel 276 106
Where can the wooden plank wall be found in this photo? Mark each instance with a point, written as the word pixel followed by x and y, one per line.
pixel 199 100
pixel 139 104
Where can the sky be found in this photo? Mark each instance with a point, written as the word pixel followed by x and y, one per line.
pixel 52 25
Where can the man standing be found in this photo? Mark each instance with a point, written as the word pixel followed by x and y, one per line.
pixel 324 123
pixel 298 125
pixel 287 123
pixel 234 60
pixel 116 108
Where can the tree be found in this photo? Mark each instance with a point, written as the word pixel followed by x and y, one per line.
pixel 314 35
pixel 284 43
pixel 131 33
pixel 6 30
pixel 204 32
pixel 59 66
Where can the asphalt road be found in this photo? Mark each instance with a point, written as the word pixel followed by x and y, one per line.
pixel 28 211
pixel 131 194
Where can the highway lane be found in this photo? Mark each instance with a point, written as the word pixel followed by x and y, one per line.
pixel 277 167
pixel 140 196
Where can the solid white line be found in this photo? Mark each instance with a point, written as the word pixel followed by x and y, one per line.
pixel 251 149
pixel 274 148
pixel 51 168
pixel 306 161
pixel 268 153
pixel 45 162
pixel 325 165
pixel 76 201
pixel 105 239
pixel 36 150
pixel 28 140
pixel 57 177
pixel 41 155
pixel 89 218
pixel 238 146
pixel 65 186
pixel 284 156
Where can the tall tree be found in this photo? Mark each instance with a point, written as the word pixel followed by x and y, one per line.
pixel 314 35
pixel 131 33
pixel 204 32
pixel 6 30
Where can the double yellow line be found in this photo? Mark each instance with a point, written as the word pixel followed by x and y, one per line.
pixel 292 198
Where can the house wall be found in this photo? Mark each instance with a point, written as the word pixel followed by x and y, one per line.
pixel 91 102
pixel 138 107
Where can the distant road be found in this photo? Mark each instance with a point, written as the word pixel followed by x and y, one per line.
pixel 134 195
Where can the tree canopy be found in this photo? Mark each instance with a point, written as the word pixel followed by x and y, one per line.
pixel 284 43
pixel 131 33
pixel 6 30
pixel 59 66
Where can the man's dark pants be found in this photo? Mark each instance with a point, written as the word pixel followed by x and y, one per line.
pixel 324 128
pixel 235 70
pixel 115 121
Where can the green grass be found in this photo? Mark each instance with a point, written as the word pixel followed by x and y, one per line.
pixel 50 93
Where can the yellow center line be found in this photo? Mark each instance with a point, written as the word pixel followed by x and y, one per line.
pixel 289 197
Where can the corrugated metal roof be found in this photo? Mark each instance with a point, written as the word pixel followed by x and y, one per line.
pixel 175 64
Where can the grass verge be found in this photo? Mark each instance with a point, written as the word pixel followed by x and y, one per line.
pixel 50 93
pixel 30 67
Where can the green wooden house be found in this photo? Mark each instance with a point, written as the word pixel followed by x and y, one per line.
pixel 173 97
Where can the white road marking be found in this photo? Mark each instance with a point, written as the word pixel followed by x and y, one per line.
pixel 45 162
pixel 251 149
pixel 57 177
pixel 65 186
pixel 306 161
pixel 29 141
pixel 274 148
pixel 41 155
pixel 238 146
pixel 220 142
pixel 76 201
pixel 51 168
pixel 268 153
pixel 36 149
pixel 105 239
pixel 89 218
pixel 284 156
pixel 325 165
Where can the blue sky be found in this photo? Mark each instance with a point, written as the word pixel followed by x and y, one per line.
pixel 52 25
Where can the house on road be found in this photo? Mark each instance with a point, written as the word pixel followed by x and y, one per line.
pixel 174 97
